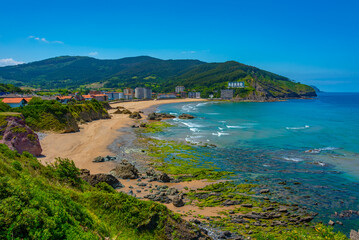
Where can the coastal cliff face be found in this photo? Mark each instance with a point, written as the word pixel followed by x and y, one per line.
pixel 264 90
pixel 17 135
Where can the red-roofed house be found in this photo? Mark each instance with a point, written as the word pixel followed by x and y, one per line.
pixel 100 97
pixel 15 102
pixel 65 99
pixel 87 97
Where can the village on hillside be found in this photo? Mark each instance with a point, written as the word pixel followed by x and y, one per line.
pixel 128 94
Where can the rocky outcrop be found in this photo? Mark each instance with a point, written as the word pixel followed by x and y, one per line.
pixel 94 179
pixel 354 235
pixel 135 115
pixel 123 111
pixel 185 116
pixel 178 201
pixel 17 135
pixel 105 159
pixel 125 170
pixel 159 116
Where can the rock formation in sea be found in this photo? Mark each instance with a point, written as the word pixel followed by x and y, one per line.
pixel 17 135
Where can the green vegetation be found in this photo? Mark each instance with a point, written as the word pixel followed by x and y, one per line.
pixel 259 218
pixel 52 202
pixel 160 75
pixel 9 88
pixel 44 115
pixel 156 126
pixel 181 160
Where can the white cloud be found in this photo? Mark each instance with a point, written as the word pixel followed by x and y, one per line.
pixel 93 53
pixel 8 62
pixel 44 40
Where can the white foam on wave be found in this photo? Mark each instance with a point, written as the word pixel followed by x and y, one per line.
pixel 220 128
pixel 194 129
pixel 236 126
pixel 201 104
pixel 293 159
pixel 220 134
pixel 213 113
pixel 191 125
pixel 318 150
pixel 189 108
pixel 298 128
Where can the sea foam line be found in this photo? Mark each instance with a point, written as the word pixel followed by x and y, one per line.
pixel 298 128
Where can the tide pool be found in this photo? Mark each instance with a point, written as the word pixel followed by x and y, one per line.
pixel 310 145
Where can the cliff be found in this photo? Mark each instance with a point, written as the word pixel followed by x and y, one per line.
pixel 17 135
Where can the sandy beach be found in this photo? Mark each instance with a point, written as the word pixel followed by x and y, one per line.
pixel 94 137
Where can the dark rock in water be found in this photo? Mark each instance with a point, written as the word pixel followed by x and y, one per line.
pixel 159 116
pixel 331 223
pixel 94 179
pixel 18 136
pixel 347 214
pixel 178 201
pixel 125 170
pixel 231 202
pixel 264 191
pixel 164 178
pixel 339 222
pixel 283 209
pixel 247 205
pixel 306 219
pixel 135 115
pixel 354 235
pixel 185 116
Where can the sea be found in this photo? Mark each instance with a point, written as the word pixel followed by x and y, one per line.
pixel 306 151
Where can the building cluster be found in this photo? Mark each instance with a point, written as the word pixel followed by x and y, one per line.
pixel 143 93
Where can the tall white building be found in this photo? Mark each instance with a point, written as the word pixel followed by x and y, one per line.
pixel 236 85
pixel 179 89
pixel 143 93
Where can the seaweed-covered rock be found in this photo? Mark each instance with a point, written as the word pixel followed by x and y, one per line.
pixel 159 116
pixel 94 179
pixel 17 135
pixel 185 116
pixel 125 170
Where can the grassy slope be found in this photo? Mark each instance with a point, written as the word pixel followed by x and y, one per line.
pixel 38 202
pixel 160 75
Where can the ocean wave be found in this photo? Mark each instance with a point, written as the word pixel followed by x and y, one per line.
pixel 191 125
pixel 194 129
pixel 318 150
pixel 201 104
pixel 298 128
pixel 220 134
pixel 293 159
pixel 213 113
pixel 236 126
pixel 220 128
pixel 189 108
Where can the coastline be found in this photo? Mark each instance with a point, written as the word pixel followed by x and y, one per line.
pixel 94 138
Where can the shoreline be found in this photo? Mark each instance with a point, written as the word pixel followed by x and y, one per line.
pixel 95 138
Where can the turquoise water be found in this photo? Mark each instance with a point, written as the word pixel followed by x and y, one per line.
pixel 314 142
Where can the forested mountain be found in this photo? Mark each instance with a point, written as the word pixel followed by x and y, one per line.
pixel 160 75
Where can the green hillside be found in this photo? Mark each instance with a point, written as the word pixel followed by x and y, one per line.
pixel 160 75
pixel 53 202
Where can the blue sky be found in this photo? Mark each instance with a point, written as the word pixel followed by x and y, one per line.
pixel 314 42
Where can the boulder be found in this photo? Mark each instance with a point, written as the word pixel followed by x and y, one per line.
pixel 17 135
pixel 125 170
pixel 178 201
pixel 185 116
pixel 264 191
pixel 354 235
pixel 135 115
pixel 164 178
pixel 94 179
pixel 331 223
